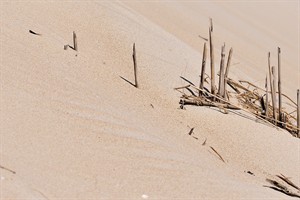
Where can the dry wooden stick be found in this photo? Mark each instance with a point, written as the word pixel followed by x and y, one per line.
pixel 212 62
pixel 273 93
pixel 271 87
pixel 221 77
pixel 227 71
pixel 200 102
pixel 75 41
pixel 203 69
pixel 134 66
pixel 279 84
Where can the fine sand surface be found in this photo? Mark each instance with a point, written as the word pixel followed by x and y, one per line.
pixel 72 128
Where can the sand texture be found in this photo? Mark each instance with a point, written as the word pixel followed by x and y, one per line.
pixel 73 126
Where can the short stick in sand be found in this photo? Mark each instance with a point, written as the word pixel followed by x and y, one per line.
pixel 279 85
pixel 203 69
pixel 135 68
pixel 273 94
pixel 75 41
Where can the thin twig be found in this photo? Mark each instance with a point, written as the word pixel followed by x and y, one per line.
pixel 217 154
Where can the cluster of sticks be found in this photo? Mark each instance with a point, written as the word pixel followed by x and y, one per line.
pixel 250 98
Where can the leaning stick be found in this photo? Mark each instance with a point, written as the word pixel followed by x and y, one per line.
pixel 227 71
pixel 279 84
pixel 203 69
pixel 221 77
pixel 75 41
pixel 201 102
pixel 212 63
pixel 134 65
pixel 298 113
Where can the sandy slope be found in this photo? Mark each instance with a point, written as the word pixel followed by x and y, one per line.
pixel 72 128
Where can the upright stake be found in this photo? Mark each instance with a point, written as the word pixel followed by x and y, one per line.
pixel 267 96
pixel 227 71
pixel 279 84
pixel 275 84
pixel 271 83
pixel 134 65
pixel 202 69
pixel 212 63
pixel 221 77
pixel 298 113
pixel 75 41
pixel 274 94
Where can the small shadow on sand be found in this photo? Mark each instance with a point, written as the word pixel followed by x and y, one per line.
pixel 128 81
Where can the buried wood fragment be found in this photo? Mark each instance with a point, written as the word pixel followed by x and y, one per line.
pixel 203 144
pixel 34 33
pixel 191 131
pixel 249 172
pixel 5 168
pixel 221 158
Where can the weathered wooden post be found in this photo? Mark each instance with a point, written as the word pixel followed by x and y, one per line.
pixel 298 113
pixel 134 66
pixel 279 84
pixel 212 63
pixel 221 77
pixel 203 69
pixel 75 41
pixel 227 71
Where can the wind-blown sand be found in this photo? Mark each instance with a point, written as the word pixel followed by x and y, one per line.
pixel 72 128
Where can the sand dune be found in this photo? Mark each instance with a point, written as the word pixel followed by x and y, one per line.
pixel 72 128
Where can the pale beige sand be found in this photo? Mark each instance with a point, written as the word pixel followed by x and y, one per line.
pixel 71 128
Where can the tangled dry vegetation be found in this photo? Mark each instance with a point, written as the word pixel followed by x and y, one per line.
pixel 243 95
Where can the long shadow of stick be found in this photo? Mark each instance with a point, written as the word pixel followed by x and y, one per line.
pixel 127 81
